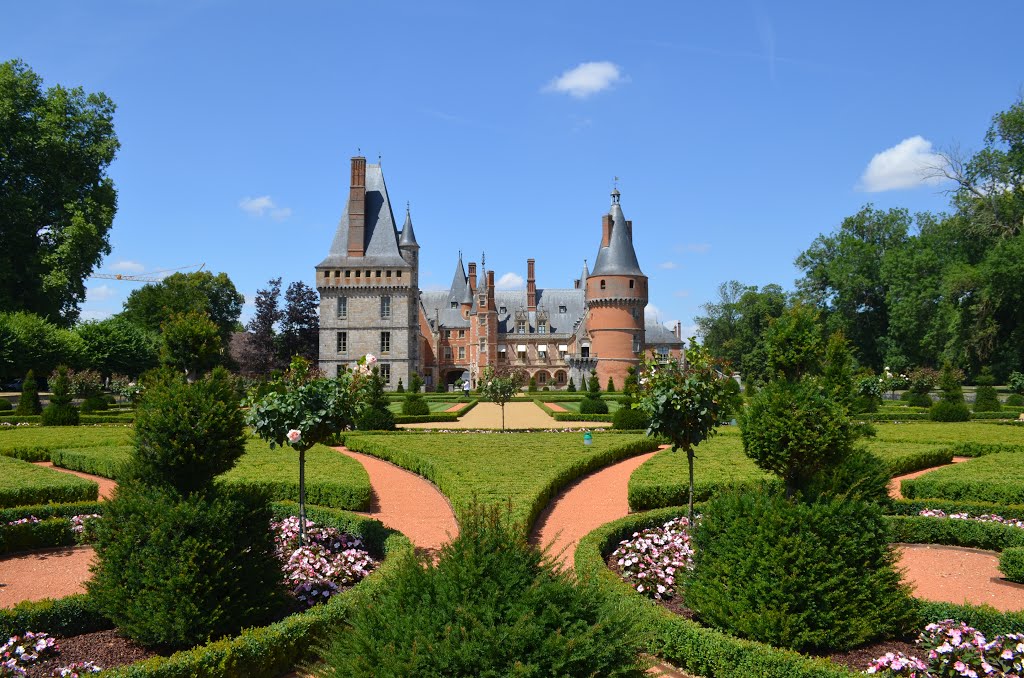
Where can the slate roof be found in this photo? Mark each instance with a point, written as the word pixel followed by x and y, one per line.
pixel 380 235
pixel 408 236
pixel 619 258
pixel 550 300
pixel 459 291
pixel 657 334
pixel 437 306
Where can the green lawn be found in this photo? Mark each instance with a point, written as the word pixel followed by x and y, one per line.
pixel 997 478
pixel 22 483
pixel 434 405
pixel 574 405
pixel 332 479
pixel 663 480
pixel 523 469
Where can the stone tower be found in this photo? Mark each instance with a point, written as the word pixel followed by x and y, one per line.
pixel 369 283
pixel 616 295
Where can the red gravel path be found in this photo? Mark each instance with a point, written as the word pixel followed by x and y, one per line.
pixel 456 407
pixel 895 485
pixel 50 573
pixel 953 574
pixel 408 503
pixel 555 407
pixel 583 506
pixel 107 485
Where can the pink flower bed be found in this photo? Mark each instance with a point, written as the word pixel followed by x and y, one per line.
pixel 650 559
pixel 329 560
pixel 951 648
pixel 984 518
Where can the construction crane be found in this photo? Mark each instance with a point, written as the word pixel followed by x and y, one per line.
pixel 152 276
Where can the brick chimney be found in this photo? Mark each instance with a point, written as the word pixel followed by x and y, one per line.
pixel 357 208
pixel 490 292
pixel 606 230
pixel 472 278
pixel 679 330
pixel 531 287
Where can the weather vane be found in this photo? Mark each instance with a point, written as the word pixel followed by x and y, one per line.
pixel 615 183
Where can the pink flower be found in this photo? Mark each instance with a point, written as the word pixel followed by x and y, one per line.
pixel 294 435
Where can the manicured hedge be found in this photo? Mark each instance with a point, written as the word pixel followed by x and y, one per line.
pixel 985 618
pixel 106 462
pixel 912 507
pixel 576 416
pixel 264 652
pixel 83 418
pixel 1011 564
pixel 919 461
pixel 30 536
pixel 438 417
pixel 954 532
pixel 997 478
pixel 22 483
pixel 44 511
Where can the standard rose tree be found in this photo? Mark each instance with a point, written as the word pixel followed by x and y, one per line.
pixel 302 412
pixel 499 387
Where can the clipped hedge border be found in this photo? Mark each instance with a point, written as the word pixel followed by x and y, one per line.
pixel 436 416
pixel 44 511
pixel 83 418
pixel 46 533
pixel 1011 564
pixel 263 652
pixel 649 496
pixel 920 461
pixel 425 468
pixel 27 452
pixel 80 460
pixel 912 507
pixel 684 643
pixel 576 416
pixel 953 532
pixel 64 488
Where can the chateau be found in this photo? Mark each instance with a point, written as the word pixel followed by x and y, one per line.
pixel 370 302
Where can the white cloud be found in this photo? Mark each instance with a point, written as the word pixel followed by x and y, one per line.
pixel 100 293
pixel 651 312
pixel 905 165
pixel 586 79
pixel 263 205
pixel 509 281
pixel 126 266
pixel 681 294
pixel 668 265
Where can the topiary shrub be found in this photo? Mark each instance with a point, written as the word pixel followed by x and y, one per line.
pixel 629 419
pixel 492 605
pixel 571 388
pixel 864 405
pixel 593 406
pixel 861 477
pixel 817 576
pixel 532 386
pixel 372 419
pixel 415 404
pixel 400 388
pixel 919 399
pixel 440 387
pixel 611 385
pixel 985 398
pixel 1011 563
pixel 29 403
pixel 949 411
pixel 5 405
pixel 60 411
pixel 95 404
pixel 905 396
pixel 186 434
pixel 177 571
pixel 1015 400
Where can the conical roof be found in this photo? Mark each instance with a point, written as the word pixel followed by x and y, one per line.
pixel 459 291
pixel 408 237
pixel 619 258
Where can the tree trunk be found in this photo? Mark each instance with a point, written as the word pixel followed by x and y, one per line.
pixel 302 497
pixel 503 416
pixel 689 460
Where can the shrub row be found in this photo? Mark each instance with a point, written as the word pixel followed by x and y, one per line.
pixel 30 536
pixel 107 462
pixel 1011 564
pixel 912 507
pixel 953 532
pixel 24 484
pixel 919 461
pixel 441 417
pixel 126 418
pixel 918 415
pixel 646 496
pixel 27 453
pixel 576 416
pixel 264 652
pixel 974 484
pixel 44 511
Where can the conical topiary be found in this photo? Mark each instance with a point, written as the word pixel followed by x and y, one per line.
pixel 29 401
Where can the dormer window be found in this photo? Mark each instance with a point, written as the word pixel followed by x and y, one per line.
pixel 542 327
pixel 521 327
pixel 562 309
pixel 502 309
pixel 455 304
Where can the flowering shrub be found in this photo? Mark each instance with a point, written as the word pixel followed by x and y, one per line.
pixel 78 523
pixel 984 518
pixel 650 559
pixel 24 521
pixel 955 649
pixel 20 652
pixel 77 670
pixel 329 559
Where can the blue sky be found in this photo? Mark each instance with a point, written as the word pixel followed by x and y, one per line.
pixel 740 131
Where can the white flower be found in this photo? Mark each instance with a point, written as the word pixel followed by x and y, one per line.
pixel 294 435
pixel 370 359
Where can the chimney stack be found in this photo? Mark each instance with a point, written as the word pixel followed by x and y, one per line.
pixel 606 230
pixel 531 287
pixel 490 292
pixel 357 208
pixel 472 278
pixel 679 330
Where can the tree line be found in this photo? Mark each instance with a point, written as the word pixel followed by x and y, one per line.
pixel 908 290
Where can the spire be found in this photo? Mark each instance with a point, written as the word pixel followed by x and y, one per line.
pixel 482 283
pixel 408 237
pixel 459 292
pixel 586 272
pixel 619 257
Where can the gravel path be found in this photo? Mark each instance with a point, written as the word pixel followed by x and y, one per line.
pixel 408 503
pixel 49 573
pixel 953 574
pixel 895 485
pixel 517 415
pixel 107 485
pixel 583 506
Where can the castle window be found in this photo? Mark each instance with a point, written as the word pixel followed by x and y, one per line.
pixel 357 273
pixel 520 327
pixel 327 274
pixel 342 342
pixel 447 352
pixel 462 352
pixel 385 307
pixel 462 334
pixel 385 372
pixel 342 307
pixel 388 274
pixel 602 285
pixel 502 309
pixel 398 273
pixel 562 309
pixel 348 274
pixel 367 274
pixel 542 378
pixel 385 342
pixel 378 275
pixel 455 304
pixel 447 334
pixel 482 346
pixel 631 284
pixel 542 327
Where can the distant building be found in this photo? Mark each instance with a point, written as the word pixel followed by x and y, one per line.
pixel 370 302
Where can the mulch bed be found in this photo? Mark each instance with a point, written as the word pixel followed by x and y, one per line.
pixel 856 659
pixel 105 649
